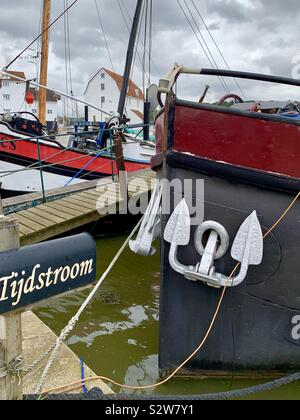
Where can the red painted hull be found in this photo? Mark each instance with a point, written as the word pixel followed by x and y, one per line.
pixel 26 150
pixel 249 142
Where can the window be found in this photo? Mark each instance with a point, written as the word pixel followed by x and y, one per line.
pixel 6 97
pixel 102 100
pixel 102 86
pixel 34 111
pixel 49 111
pixel 102 75
pixel 6 111
pixel 5 83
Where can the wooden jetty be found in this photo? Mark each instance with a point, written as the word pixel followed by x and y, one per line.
pixel 70 208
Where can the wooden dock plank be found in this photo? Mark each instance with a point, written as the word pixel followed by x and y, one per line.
pixel 77 208
pixel 40 220
pixel 80 204
pixel 62 208
pixel 46 215
pixel 25 231
pixel 31 224
pixel 46 207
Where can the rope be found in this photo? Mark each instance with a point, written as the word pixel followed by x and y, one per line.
pixel 69 328
pixel 14 368
pixel 3 372
pixel 212 323
pixel 96 394
pixel 40 35
pixel 29 368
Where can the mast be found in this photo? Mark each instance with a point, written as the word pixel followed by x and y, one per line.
pixel 129 58
pixel 44 61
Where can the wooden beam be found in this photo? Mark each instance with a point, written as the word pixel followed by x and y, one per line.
pixel 44 61
pixel 10 325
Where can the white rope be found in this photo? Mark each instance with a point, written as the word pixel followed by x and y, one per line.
pixel 3 372
pixel 33 365
pixel 14 367
pixel 71 325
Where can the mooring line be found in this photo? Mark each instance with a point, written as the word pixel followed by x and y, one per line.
pixel 69 328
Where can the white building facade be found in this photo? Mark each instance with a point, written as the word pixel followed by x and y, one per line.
pixel 104 89
pixel 12 97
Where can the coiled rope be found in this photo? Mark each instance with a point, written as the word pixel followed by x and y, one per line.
pixel 14 368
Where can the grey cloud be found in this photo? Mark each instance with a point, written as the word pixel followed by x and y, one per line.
pixel 254 35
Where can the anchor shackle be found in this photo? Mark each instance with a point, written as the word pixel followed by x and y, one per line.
pixel 222 234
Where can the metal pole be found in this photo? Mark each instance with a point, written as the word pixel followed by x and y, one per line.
pixel 86 118
pixel 129 58
pixel 146 128
pixel 41 171
pixel 10 325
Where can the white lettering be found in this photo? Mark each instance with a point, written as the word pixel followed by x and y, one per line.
pixel 65 274
pixel 29 284
pixel 41 281
pixel 49 274
pixel 86 267
pixel 56 274
pixel 75 271
pixel 17 291
pixel 5 280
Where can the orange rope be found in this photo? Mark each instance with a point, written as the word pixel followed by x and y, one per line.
pixel 75 385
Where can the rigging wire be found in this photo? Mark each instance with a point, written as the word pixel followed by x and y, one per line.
pixel 73 105
pixel 150 40
pixel 158 73
pixel 104 36
pixel 136 52
pixel 223 83
pixel 216 45
pixel 38 46
pixel 145 47
pixel 66 100
pixel 40 35
pixel 127 24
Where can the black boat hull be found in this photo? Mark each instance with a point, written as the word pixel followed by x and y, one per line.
pixel 255 329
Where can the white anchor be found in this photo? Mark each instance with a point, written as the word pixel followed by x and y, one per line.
pixel 247 248
pixel 150 227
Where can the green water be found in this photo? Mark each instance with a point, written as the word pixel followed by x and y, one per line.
pixel 118 335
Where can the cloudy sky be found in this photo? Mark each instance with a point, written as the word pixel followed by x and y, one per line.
pixel 253 35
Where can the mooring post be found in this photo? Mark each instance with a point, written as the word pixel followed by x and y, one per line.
pixel 122 174
pixel 10 325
